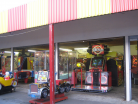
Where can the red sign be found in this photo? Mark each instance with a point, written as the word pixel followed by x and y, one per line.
pixel 98 49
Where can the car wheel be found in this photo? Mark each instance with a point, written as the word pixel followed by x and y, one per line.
pixel 0 86
pixel 67 89
pixel 44 93
pixel 61 89
pixel 14 84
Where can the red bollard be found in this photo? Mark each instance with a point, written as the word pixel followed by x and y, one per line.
pixel 74 79
pixel 100 80
pixel 81 78
pixel 91 80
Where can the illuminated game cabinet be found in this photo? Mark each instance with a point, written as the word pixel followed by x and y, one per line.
pixel 134 61
pixel 116 67
pixel 97 80
pixel 96 65
pixel 134 69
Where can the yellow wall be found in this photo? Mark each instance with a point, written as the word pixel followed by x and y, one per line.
pixel 112 54
pixel 120 49
pixel 116 49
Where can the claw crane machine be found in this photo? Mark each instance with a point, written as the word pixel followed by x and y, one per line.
pixel 67 62
pixel 41 62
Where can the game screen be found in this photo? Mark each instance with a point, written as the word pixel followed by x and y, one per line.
pixel 119 62
pixel 134 61
pixel 96 62
pixel 42 76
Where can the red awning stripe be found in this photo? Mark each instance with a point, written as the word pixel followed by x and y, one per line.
pixel 62 10
pixel 43 12
pixel 123 5
pixel 17 18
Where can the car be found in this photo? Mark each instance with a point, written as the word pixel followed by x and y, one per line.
pixel 7 83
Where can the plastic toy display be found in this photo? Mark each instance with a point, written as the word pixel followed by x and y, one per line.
pixel 7 82
pixel 41 89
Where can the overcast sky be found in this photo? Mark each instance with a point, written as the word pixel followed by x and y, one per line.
pixel 8 4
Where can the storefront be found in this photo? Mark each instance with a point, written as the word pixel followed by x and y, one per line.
pixel 20 25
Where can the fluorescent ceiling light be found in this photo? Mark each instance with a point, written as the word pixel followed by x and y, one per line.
pixel 10 52
pixel 65 49
pixel 80 48
pixel 32 50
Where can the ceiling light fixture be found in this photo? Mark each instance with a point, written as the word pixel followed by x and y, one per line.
pixel 80 48
pixel 65 49
pixel 10 52
pixel 31 50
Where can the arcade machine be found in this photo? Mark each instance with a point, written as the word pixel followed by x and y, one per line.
pixel 21 74
pixel 115 66
pixel 134 69
pixel 120 72
pixel 41 88
pixel 97 80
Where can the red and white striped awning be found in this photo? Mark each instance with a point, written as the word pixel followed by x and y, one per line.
pixel 43 12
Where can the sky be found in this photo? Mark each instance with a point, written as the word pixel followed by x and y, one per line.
pixel 8 4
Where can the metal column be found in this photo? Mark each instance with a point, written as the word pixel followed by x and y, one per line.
pixel 128 69
pixel 51 61
pixel 45 61
pixel 56 59
pixel 12 60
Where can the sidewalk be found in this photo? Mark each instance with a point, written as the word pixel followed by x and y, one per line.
pixel 21 97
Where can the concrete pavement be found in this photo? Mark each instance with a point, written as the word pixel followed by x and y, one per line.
pixel 113 97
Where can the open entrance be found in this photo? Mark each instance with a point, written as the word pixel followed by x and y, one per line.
pixel 102 64
pixel 134 66
pixel 24 62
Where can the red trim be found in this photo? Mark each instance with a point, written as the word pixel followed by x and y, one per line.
pixel 58 97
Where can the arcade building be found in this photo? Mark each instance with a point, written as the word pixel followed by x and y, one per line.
pixel 94 43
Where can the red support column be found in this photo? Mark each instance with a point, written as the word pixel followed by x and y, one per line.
pixel 74 78
pixel 81 78
pixel 51 58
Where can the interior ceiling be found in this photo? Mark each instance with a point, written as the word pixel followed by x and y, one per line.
pixel 77 44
